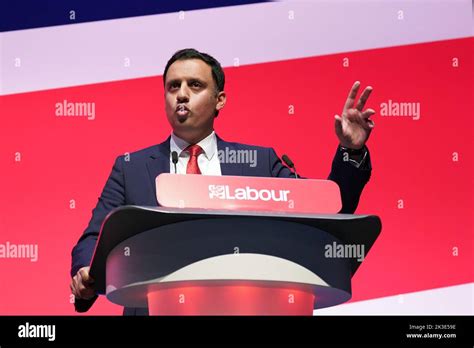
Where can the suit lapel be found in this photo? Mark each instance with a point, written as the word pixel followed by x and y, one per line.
pixel 159 162
pixel 224 147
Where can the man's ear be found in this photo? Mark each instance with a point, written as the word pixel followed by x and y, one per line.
pixel 221 100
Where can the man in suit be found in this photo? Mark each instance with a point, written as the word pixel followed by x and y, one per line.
pixel 194 96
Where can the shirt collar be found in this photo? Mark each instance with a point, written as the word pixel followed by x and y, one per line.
pixel 208 145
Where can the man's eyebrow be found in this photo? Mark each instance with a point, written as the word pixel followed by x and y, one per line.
pixel 169 82
pixel 196 79
pixel 190 79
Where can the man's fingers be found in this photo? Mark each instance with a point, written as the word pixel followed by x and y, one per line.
pixel 338 123
pixel 363 98
pixel 367 113
pixel 81 284
pixel 369 123
pixel 86 293
pixel 352 95
pixel 73 287
pixel 86 278
pixel 81 290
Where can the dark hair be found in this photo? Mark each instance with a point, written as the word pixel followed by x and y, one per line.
pixel 190 53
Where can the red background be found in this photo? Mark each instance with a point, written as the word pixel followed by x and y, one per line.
pixel 64 158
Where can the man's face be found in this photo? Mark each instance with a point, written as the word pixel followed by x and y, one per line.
pixel 191 100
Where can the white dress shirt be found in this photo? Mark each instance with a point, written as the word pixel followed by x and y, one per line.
pixel 208 160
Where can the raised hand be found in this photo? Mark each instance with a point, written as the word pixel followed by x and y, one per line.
pixel 353 127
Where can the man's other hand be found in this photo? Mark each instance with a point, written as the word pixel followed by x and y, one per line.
pixel 82 284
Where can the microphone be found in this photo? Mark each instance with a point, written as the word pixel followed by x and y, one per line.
pixel 174 158
pixel 290 164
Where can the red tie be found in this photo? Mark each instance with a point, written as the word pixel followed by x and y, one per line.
pixel 194 152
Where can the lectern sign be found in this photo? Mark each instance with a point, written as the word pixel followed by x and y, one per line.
pixel 248 193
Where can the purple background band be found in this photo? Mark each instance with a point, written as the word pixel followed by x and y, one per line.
pixel 95 52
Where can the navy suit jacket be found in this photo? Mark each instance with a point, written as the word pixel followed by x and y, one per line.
pixel 132 182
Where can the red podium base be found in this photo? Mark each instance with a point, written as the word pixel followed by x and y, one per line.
pixel 231 298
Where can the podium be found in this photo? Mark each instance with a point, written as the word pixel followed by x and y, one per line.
pixel 198 261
